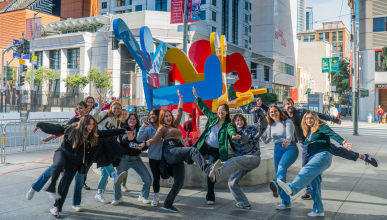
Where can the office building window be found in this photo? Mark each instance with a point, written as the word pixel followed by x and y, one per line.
pixel 312 38
pixel 380 24
pixel 202 15
pixel 73 58
pixel 250 5
pixel 246 5
pixel 334 44
pixel 246 18
pixel 285 68
pixel 253 70
pixel 334 36
pixel 326 36
pixel 120 3
pixel 266 73
pixel 213 29
pixel 129 10
pixel 306 38
pixel 250 40
pixel 120 12
pixel 214 16
pixel 340 36
pixel 250 28
pixel 138 7
pixel 203 2
pixel 299 38
pixel 249 17
pixel 54 59
pixel 104 5
pixel 161 5
pixel 225 18
pixel 235 9
pixel 214 2
pixel 39 61
pixel 130 2
pixel 246 31
pixel 340 46
pixel 320 37
pixel 378 62
pixel 246 44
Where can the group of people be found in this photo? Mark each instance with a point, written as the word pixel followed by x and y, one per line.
pixel 114 140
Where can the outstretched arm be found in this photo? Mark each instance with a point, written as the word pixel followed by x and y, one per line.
pixel 202 106
pixel 110 133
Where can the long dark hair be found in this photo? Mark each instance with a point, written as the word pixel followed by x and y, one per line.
pixel 81 104
pixel 77 132
pixel 228 118
pixel 156 111
pixel 282 116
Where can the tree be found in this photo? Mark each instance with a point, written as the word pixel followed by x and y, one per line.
pixel 231 92
pixel 13 77
pixel 103 82
pixel 76 82
pixel 341 79
pixel 384 54
pixel 268 97
pixel 42 76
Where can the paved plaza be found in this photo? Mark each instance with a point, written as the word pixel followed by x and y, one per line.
pixel 350 190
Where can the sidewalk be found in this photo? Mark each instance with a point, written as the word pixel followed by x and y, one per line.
pixel 350 190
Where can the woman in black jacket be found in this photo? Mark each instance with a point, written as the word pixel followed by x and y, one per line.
pixel 132 159
pixel 81 146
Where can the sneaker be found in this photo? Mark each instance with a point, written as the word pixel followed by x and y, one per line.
pixel 30 194
pixel 371 160
pixel 77 208
pixel 100 198
pixel 306 196
pixel 210 202
pixel 117 202
pixel 54 212
pixel 155 201
pixel 171 181
pixel 282 206
pixel 314 214
pixel 171 209
pixel 243 207
pixel 124 188
pixel 86 187
pixel 143 200
pixel 212 173
pixel 273 186
pixel 285 187
pixel 54 196
pixel 117 179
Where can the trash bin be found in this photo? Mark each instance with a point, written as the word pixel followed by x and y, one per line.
pixel 369 118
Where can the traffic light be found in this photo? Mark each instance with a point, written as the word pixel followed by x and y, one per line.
pixel 21 82
pixel 114 43
pixel 26 46
pixel 9 73
pixel 24 68
pixel 19 49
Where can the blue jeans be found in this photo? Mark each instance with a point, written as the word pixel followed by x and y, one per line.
pixel 137 165
pixel 284 157
pixel 311 173
pixel 105 173
pixel 379 117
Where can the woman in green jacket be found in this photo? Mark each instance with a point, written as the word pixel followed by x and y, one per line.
pixel 214 139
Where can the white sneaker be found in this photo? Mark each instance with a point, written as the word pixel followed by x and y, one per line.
pixel 54 196
pixel 30 194
pixel 285 187
pixel 77 208
pixel 54 212
pixel 124 188
pixel 118 178
pixel 282 206
pixel 100 198
pixel 314 214
pixel 117 202
pixel 155 201
pixel 215 166
pixel 143 200
pixel 210 202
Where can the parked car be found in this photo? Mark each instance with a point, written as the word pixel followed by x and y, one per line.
pixel 137 109
pixel 236 110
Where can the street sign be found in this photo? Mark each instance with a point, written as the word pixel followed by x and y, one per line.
pixel 333 88
pixel 34 57
pixel 16 55
pixel 335 64
pixel 325 65
pixel 350 97
pixel 22 62
pixel 25 56
pixel 34 61
pixel 16 42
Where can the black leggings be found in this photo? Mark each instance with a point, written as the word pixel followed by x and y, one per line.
pixel 155 168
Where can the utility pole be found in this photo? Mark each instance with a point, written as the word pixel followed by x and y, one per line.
pixel 185 27
pixel 330 77
pixel 355 89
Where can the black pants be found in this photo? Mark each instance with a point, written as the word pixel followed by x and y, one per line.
pixel 178 177
pixel 155 168
pixel 213 155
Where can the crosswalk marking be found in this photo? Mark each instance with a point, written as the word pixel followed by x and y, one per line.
pixel 367 129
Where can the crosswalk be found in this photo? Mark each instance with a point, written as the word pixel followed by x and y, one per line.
pixel 366 129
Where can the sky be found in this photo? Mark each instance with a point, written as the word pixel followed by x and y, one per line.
pixel 329 10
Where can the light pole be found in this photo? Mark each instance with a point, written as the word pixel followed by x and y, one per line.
pixel 355 89
pixel 185 27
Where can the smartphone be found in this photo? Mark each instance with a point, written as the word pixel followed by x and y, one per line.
pixel 147 123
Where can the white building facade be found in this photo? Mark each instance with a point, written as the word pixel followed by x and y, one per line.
pixel 301 15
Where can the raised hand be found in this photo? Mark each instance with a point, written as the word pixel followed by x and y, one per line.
pixel 100 101
pixel 178 93
pixel 194 92
pixel 286 143
pixel 347 146
pixel 145 124
pixel 131 135
pixel 236 137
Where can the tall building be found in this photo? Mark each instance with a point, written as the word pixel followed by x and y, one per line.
pixel 372 74
pixel 356 23
pixel 309 18
pixel 301 15
pixel 333 32
pixel 79 8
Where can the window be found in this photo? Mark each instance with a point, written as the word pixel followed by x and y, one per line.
pixel 130 2
pixel 213 29
pixel 120 12
pixel 340 36
pixel 340 46
pixel 253 70
pixel 326 36
pixel 246 5
pixel 285 68
pixel 214 2
pixel 250 40
pixel 225 13
pixel 246 18
pixel 334 36
pixel 138 7
pixel 120 3
pixel 334 44
pixel 161 5
pixel 54 59
pixel 129 10
pixel 39 61
pixel 320 37
pixel 299 38
pixel 249 17
pixel 202 15
pixel 73 58
pixel 380 24
pixel 214 16
pixel 312 38
pixel 266 73
pixel 378 62
pixel 250 5
pixel 250 28
pixel 246 44
pixel 203 2
pixel 104 5
pixel 246 31
pixel 234 19
pixel 306 38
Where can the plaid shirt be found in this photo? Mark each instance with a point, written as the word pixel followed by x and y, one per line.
pixel 321 140
pixel 249 143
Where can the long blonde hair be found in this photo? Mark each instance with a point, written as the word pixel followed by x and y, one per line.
pixel 110 111
pixel 317 123
pixel 77 132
